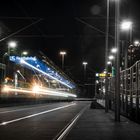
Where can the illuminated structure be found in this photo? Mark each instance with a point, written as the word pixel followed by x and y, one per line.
pixel 39 78
pixel 37 65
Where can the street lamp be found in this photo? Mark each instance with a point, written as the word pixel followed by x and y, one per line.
pixel 111 57
pixel 24 53
pixel 85 66
pixel 117 74
pixel 136 43
pixel 96 83
pixel 18 71
pixel 63 53
pixel 90 71
pixel 127 25
pixel 11 45
pixel 109 63
pixel 114 50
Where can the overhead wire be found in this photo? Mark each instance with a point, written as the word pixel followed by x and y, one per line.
pixel 18 31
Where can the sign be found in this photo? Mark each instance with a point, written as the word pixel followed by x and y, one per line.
pixel 102 75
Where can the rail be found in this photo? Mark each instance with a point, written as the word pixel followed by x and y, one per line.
pixel 129 91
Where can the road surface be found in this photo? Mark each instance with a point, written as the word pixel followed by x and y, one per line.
pixel 38 122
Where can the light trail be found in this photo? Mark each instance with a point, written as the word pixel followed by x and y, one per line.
pixel 36 114
pixel 39 91
pixel 23 61
pixel 16 110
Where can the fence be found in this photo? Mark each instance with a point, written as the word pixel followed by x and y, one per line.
pixel 129 91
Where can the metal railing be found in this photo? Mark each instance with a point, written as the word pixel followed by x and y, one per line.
pixel 129 91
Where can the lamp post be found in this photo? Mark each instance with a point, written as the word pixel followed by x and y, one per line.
pixel 106 58
pixel 136 49
pixel 109 63
pixel 126 25
pixel 63 53
pixel 112 59
pixel 18 71
pixel 117 75
pixel 24 53
pixel 113 54
pixel 85 66
pixel 96 83
pixel 94 74
pixel 11 45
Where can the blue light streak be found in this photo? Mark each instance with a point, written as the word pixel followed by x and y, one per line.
pixel 34 63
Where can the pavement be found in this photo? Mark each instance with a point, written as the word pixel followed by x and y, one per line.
pixel 95 124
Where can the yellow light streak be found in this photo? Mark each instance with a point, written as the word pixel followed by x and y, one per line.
pixel 38 90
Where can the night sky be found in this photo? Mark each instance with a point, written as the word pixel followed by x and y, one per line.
pixel 65 25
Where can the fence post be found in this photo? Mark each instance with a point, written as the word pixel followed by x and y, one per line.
pixel 123 87
pixel 131 91
pixel 137 91
pixel 126 92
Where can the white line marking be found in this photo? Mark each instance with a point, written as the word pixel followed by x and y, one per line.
pixel 33 115
pixel 14 110
pixel 69 127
